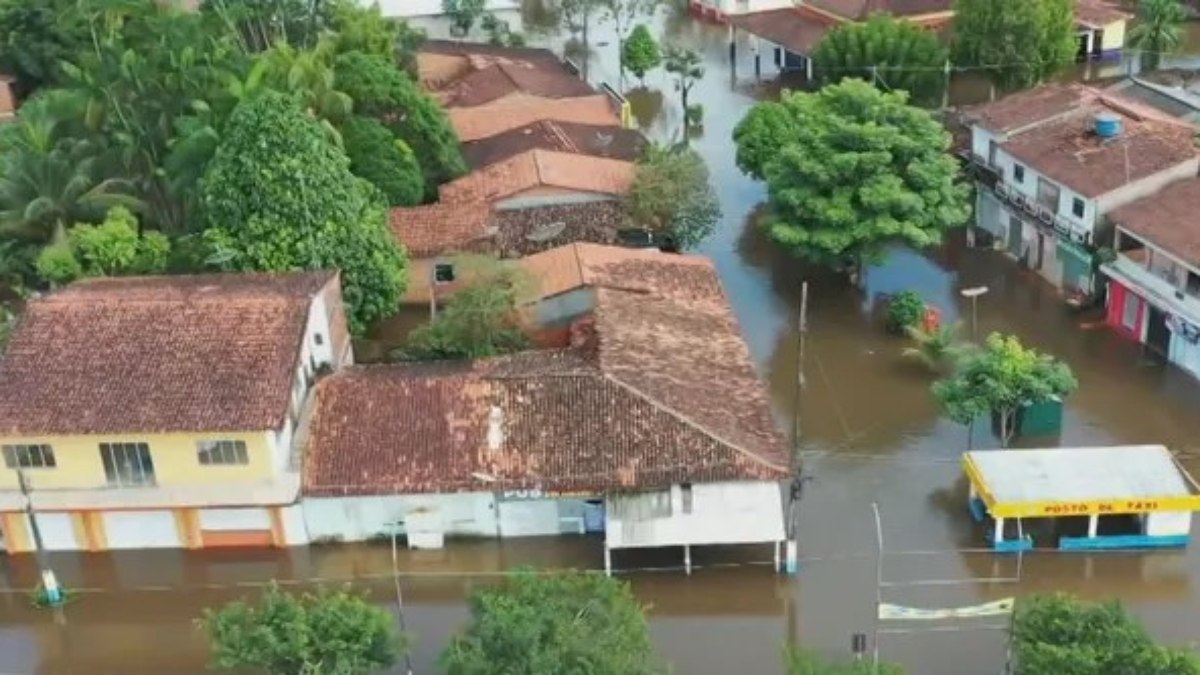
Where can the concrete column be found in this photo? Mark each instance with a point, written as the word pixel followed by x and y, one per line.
pixel 791 562
pixel 687 559
pixel 1093 525
pixel 607 560
pixel 777 557
pixel 999 535
pixel 808 71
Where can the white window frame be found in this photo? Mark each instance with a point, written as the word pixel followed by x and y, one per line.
pixel 134 457
pixel 36 456
pixel 222 452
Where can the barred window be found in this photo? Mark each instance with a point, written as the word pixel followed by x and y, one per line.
pixel 35 456
pixel 222 452
pixel 127 464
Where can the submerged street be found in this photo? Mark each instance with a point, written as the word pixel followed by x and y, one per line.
pixel 870 432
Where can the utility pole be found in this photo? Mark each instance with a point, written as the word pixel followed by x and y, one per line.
pixel 53 593
pixel 408 669
pixel 796 489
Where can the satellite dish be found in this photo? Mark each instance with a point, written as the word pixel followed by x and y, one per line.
pixel 604 140
pixel 547 232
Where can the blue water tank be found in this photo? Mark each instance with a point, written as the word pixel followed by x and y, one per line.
pixel 1108 125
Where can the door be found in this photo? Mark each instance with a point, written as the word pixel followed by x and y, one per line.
pixel 250 527
pixel 1015 228
pixel 58 532
pixel 141 529
pixel 1158 336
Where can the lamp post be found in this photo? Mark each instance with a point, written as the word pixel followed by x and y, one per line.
pixel 52 592
pixel 973 294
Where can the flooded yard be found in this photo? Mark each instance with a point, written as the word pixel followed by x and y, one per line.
pixel 870 433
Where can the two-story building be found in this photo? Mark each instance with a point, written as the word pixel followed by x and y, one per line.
pixel 1154 281
pixel 153 412
pixel 1052 161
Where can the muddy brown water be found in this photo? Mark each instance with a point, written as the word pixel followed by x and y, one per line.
pixel 870 432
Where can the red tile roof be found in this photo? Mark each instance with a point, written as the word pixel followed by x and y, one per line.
pixel 541 168
pixel 860 9
pixel 438 228
pixel 518 110
pixel 508 77
pixel 644 400
pixel 157 354
pixel 1021 109
pixel 1167 219
pixel 1099 13
pixel 582 139
pixel 799 29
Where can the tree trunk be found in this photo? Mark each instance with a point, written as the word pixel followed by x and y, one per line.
pixel 1007 421
pixel 683 88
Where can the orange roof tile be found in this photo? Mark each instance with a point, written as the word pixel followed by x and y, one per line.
pixel 517 110
pixel 541 168
pixel 434 229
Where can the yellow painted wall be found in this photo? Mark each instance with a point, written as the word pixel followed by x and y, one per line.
pixel 174 455
pixel 16 532
pixel 1114 36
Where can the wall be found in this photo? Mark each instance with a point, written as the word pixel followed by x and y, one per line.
pixel 1118 295
pixel 549 196
pixel 1114 37
pixel 1147 186
pixel 174 455
pixel 1168 523
pixel 360 518
pixel 981 141
pixel 1029 188
pixel 565 307
pixel 722 513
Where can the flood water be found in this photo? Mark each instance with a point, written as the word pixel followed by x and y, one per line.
pixel 870 433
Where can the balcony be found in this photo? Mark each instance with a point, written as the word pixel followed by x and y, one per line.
pixel 1132 272
pixel 1041 214
pixel 981 169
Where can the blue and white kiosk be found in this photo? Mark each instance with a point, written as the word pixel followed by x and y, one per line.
pixel 1140 490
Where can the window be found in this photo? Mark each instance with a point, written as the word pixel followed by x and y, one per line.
pixel 318 339
pixel 443 273
pixel 1048 194
pixel 222 452
pixel 127 464
pixel 1077 207
pixel 1018 173
pixel 39 456
pixel 686 489
pixel 1193 284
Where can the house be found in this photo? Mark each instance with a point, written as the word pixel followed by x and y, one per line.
pixel 627 429
pixel 581 139
pixel 152 412
pixel 1178 102
pixel 526 203
pixel 1154 281
pixel 792 30
pixel 519 110
pixel 1052 161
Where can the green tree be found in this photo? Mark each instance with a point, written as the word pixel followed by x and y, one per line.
pixel 857 169
pixel 801 662
pixel 937 349
pixel 479 320
pixel 1019 42
pixel 891 52
pixel 261 24
pixel 622 14
pixel 768 126
pixel 672 195
pixel 35 37
pixel 307 74
pixel 640 53
pixel 463 14
pixel 51 175
pixel 279 196
pixel 382 91
pixel 356 28
pixel 335 632
pixel 1158 31
pixel 553 625
pixel 687 68
pixel 111 248
pixel 383 160
pixel 999 379
pixel 1059 635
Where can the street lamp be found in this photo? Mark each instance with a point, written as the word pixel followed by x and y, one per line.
pixel 973 294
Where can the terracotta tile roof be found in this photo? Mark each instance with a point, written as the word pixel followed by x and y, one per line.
pixel 434 229
pixel 582 139
pixel 518 110
pixel 1067 149
pixel 860 9
pixel 644 400
pixel 796 28
pixel 1099 13
pixel 641 270
pixel 1028 107
pixel 1167 219
pixel 541 168
pixel 521 232
pixel 508 77
pixel 157 354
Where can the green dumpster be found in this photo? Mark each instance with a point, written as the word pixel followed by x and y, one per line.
pixel 1041 419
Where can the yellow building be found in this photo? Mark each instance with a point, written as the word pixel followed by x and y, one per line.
pixel 160 411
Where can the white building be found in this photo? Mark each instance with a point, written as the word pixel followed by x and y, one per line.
pixel 1052 161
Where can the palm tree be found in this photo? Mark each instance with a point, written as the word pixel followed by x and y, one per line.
pixel 938 349
pixel 1159 30
pixel 50 178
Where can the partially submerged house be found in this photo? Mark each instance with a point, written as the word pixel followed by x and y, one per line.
pixel 160 412
pixel 1154 280
pixel 1051 162
pixel 649 424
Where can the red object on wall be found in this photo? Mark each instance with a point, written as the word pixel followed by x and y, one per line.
pixel 1118 295
pixel 932 320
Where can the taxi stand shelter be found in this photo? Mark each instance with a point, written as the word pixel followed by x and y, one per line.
pixel 1140 480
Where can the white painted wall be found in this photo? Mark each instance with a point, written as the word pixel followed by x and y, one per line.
pixel 141 529
pixel 981 140
pixel 58 534
pixel 1168 523
pixel 535 200
pixel 361 518
pixel 722 513
pixel 235 519
pixel 1067 196
pixel 295 532
pixel 280 442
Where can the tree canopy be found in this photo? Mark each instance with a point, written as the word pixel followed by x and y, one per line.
pixel 36 37
pixel 895 53
pixel 383 160
pixel 326 631
pixel 640 53
pixel 672 195
pixel 561 624
pixel 1159 29
pixel 849 169
pixel 1018 43
pixel 999 379
pixel 1059 635
pixel 278 195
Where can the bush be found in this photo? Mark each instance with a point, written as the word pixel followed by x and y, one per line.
pixel 383 160
pixel 58 265
pixel 904 311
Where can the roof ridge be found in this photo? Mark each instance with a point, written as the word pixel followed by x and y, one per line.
pixel 689 421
